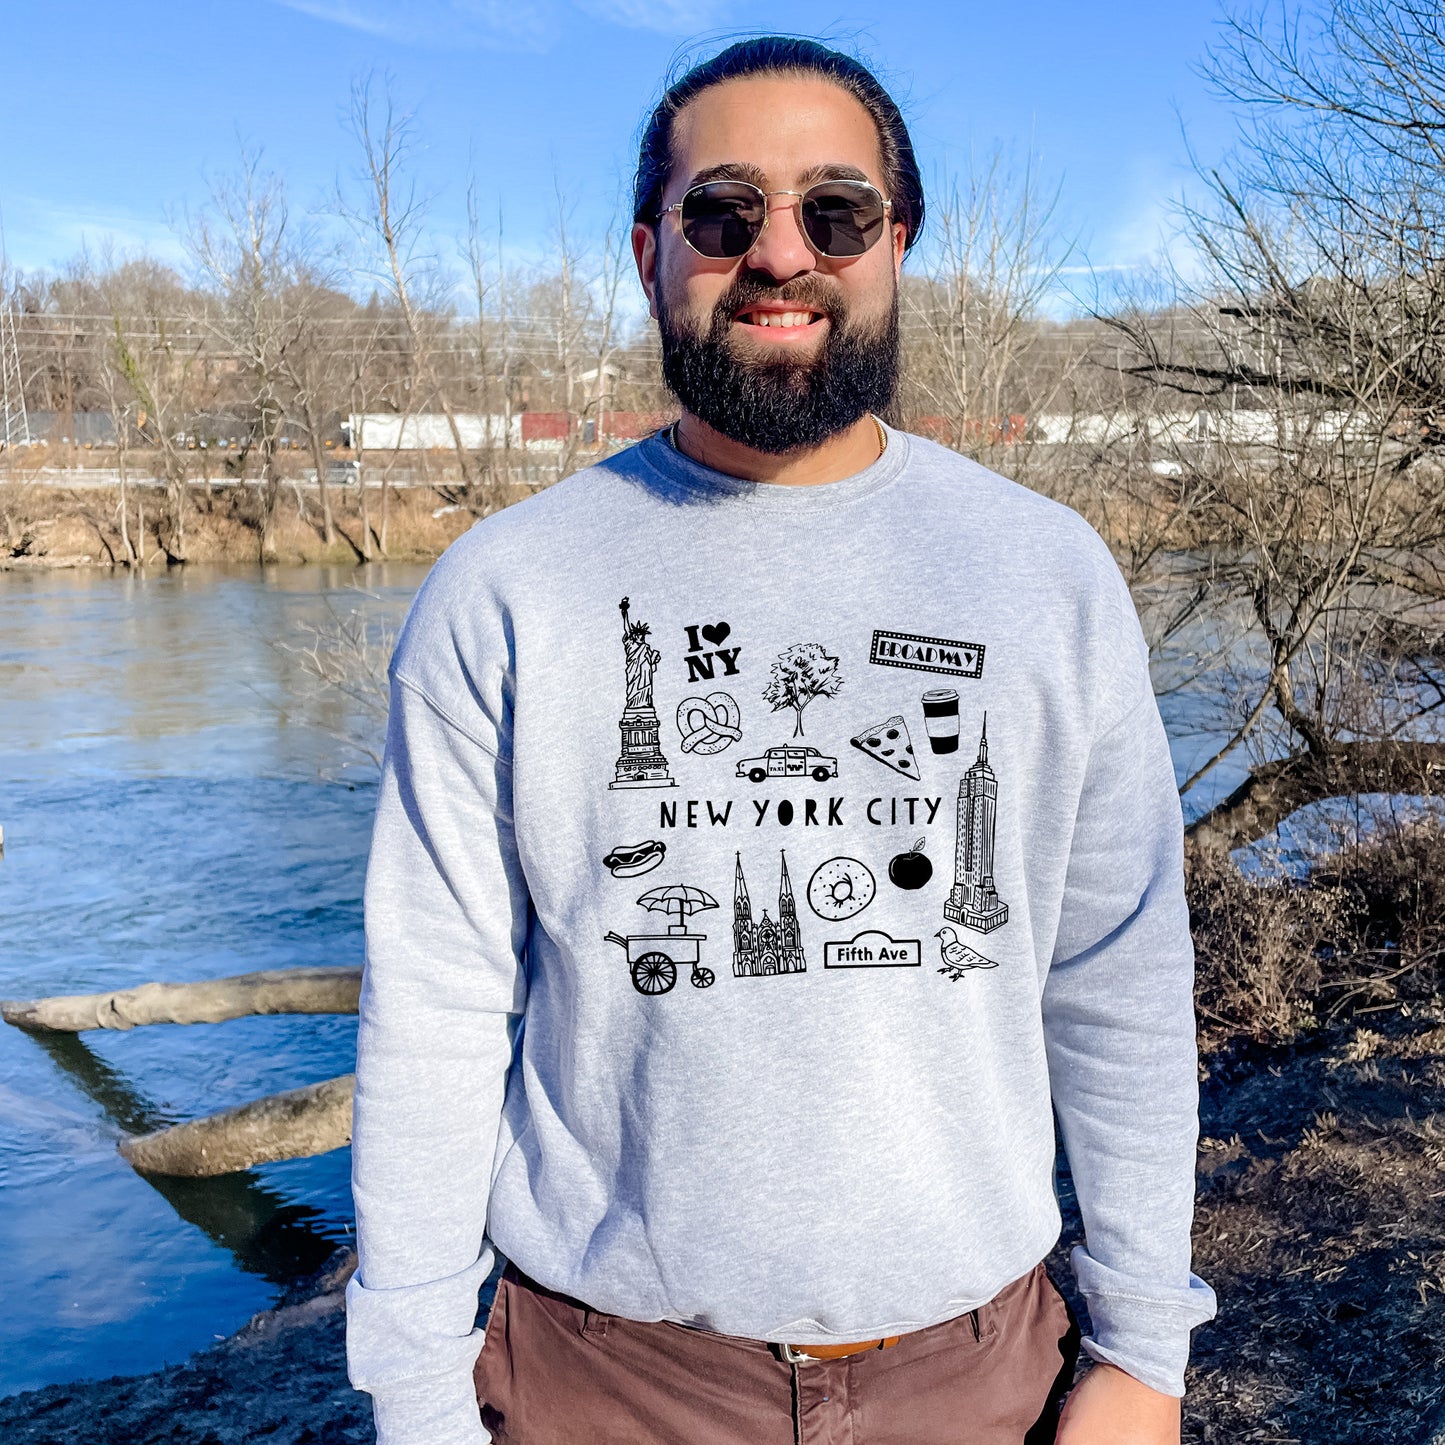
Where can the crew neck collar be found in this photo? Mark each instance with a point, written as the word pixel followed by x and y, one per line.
pixel 677 468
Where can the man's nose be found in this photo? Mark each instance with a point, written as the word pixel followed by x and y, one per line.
pixel 781 251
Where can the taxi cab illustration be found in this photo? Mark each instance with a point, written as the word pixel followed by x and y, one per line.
pixel 785 762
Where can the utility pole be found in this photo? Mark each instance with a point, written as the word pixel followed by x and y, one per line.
pixel 14 422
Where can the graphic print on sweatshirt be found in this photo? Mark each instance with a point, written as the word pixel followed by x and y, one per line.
pixel 958 957
pixel 912 870
pixel 890 744
pixel 705 651
pixel 803 672
pixel 641 763
pixel 840 888
pixel 766 947
pixel 880 897
pixel 653 957
pixel 872 948
pixel 940 719
pixel 710 724
pixel 926 654
pixel 631 860
pixel 973 900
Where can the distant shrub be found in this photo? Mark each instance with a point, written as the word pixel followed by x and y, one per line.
pixel 1276 957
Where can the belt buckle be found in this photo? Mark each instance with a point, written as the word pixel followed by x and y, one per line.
pixel 797 1357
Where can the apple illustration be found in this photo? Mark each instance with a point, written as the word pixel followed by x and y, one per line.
pixel 912 869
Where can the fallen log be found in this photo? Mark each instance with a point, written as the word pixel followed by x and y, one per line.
pixel 298 1123
pixel 1276 789
pixel 322 990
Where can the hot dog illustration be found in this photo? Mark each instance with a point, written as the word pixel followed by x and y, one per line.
pixel 627 860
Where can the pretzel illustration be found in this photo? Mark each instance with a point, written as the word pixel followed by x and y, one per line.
pixel 708 724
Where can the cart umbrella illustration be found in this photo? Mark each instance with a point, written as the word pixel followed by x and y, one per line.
pixel 653 957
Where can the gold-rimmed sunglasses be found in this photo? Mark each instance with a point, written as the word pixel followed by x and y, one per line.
pixel 722 220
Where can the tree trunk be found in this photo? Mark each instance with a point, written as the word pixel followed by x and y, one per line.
pixel 298 1123
pixel 174 465
pixel 318 455
pixel 124 499
pixel 322 990
pixel 270 491
pixel 176 490
pixel 366 542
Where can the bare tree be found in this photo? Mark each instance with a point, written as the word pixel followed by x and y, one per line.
pixel 492 357
pixel 391 219
pixel 121 402
pixel 972 316
pixel 1316 365
pixel 319 371
pixel 150 353
pixel 241 245
pixel 347 657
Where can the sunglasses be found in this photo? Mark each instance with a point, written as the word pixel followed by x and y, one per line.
pixel 723 219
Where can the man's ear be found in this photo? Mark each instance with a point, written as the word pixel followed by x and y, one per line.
pixel 900 245
pixel 644 252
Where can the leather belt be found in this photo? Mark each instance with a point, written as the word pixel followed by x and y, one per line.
pixel 814 1354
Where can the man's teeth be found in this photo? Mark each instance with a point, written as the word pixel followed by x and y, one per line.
pixel 779 318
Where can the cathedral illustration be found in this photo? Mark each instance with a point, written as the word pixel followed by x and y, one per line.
pixel 973 901
pixel 766 947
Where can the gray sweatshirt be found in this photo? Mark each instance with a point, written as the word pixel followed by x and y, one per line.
pixel 756 871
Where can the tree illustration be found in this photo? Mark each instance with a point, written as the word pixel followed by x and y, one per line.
pixel 800 674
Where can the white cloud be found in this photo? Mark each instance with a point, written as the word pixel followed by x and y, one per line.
pixel 350 16
pixel 41 235
pixel 670 17
pixel 501 24
pixel 432 23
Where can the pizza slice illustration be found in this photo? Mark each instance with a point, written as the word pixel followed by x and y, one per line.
pixel 890 744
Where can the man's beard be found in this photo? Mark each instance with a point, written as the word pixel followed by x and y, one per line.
pixel 785 404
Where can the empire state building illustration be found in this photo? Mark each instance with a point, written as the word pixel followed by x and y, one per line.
pixel 641 764
pixel 973 901
pixel 765 947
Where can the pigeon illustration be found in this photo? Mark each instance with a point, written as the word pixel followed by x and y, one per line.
pixel 958 957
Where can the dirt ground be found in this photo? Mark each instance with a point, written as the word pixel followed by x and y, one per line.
pixel 1320 1224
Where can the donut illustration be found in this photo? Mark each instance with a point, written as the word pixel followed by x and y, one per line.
pixel 840 888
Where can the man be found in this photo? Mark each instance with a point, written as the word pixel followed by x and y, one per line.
pixel 776 830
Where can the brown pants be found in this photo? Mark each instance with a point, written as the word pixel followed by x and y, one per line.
pixel 553 1372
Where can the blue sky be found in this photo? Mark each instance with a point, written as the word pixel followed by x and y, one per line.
pixel 115 114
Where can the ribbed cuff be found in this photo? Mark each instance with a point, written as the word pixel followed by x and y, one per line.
pixel 1144 1334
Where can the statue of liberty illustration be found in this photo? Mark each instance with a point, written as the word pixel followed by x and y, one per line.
pixel 641 763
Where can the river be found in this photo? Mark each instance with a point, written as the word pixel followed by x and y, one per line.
pixel 169 813
pixel 175 805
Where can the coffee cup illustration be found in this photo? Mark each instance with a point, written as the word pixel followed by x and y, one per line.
pixel 940 718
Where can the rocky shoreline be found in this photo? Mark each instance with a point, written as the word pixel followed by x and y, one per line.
pixel 280 1378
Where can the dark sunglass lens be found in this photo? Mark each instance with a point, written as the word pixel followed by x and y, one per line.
pixel 722 218
pixel 842 219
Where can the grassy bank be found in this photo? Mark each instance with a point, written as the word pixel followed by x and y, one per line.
pixel 45 525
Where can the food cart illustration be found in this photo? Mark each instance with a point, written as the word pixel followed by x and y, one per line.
pixel 653 957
